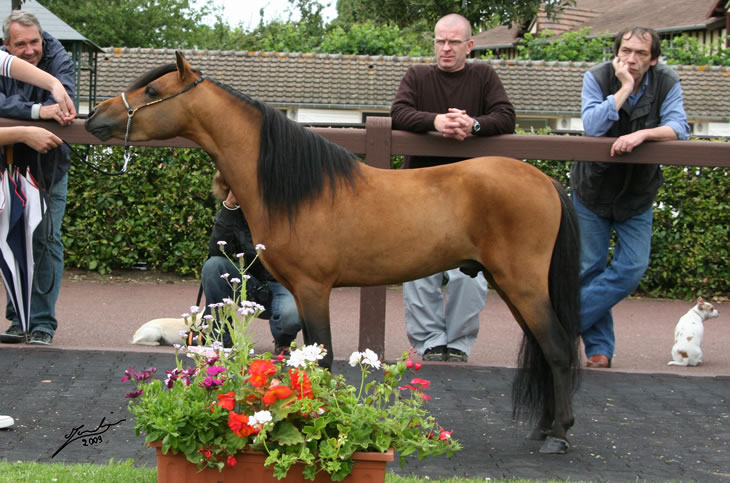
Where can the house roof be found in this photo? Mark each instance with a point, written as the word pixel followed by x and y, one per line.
pixel 49 22
pixel 336 81
pixel 610 17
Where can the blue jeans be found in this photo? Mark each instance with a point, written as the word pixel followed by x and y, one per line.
pixel 282 313
pixel 604 283
pixel 48 263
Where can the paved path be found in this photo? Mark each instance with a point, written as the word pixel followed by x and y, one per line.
pixel 641 420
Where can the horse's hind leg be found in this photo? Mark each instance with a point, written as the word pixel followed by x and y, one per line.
pixel 543 386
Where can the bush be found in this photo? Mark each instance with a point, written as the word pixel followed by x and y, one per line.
pixel 157 216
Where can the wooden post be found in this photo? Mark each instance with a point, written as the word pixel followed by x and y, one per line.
pixel 372 299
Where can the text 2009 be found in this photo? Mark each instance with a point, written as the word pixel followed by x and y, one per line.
pixel 91 441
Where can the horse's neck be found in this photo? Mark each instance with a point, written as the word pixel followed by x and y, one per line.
pixel 228 129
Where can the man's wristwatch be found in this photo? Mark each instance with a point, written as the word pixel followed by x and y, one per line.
pixel 476 127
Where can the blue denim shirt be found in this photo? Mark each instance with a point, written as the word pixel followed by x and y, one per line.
pixel 599 114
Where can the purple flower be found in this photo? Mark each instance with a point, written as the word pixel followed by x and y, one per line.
pixel 128 374
pixel 211 383
pixel 135 394
pixel 215 370
pixel 144 375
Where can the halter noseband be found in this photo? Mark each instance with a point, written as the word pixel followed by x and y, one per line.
pixel 131 112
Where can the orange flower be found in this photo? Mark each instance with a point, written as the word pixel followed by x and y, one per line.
pixel 239 425
pixel 303 387
pixel 259 372
pixel 227 400
pixel 275 393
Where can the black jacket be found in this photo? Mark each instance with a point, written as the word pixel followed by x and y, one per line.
pixel 619 191
pixel 231 227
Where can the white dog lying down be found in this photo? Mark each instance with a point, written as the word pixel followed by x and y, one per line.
pixel 687 350
pixel 160 332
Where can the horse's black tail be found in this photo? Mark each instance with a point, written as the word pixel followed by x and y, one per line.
pixel 532 392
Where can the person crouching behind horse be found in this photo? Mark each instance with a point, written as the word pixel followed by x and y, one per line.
pixel 231 227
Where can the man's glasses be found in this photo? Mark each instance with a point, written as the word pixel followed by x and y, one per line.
pixel 455 43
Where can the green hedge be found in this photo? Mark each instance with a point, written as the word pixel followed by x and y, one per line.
pixel 156 216
pixel 159 216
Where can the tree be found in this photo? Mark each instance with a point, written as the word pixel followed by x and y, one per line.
pixel 135 23
pixel 480 13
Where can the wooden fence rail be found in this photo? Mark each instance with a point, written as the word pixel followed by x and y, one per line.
pixel 378 142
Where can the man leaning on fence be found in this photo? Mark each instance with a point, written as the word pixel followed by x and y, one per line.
pixel 634 99
pixel 457 99
pixel 24 38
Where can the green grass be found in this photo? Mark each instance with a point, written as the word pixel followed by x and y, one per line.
pixel 124 472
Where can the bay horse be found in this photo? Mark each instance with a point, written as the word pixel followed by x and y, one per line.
pixel 328 220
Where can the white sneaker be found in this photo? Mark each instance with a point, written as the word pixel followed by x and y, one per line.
pixel 6 422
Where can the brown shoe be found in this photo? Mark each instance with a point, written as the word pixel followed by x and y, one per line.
pixel 599 361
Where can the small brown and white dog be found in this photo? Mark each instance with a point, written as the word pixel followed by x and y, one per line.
pixel 165 331
pixel 688 334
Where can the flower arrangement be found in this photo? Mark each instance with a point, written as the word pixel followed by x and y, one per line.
pixel 292 409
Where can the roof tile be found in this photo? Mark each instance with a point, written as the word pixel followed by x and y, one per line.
pixel 370 82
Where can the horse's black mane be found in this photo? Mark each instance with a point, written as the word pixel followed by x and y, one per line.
pixel 294 163
pixel 153 74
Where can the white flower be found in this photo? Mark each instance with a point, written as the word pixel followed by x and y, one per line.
pixel 184 316
pixel 371 358
pixel 296 359
pixel 313 352
pixel 260 417
pixel 235 280
pixel 355 358
pixel 221 243
pixel 194 309
pixel 183 334
pixel 260 247
pixel 239 255
pixel 226 275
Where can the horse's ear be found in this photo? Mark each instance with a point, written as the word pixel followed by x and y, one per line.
pixel 183 67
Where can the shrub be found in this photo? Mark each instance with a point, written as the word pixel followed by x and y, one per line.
pixel 158 215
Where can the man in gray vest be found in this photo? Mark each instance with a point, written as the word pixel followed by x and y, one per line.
pixel 634 99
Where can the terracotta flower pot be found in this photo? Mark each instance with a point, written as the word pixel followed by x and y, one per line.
pixel 175 468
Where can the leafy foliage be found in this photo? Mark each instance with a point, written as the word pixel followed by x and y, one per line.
pixel 134 23
pixel 687 50
pixel 572 46
pixel 479 12
pixel 158 215
pixel 690 252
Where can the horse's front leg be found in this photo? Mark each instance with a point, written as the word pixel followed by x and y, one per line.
pixel 314 310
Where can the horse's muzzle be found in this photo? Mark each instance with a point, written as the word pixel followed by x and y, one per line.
pixel 98 127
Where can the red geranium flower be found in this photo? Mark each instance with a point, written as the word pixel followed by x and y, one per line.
pixel 275 393
pixel 231 461
pixel 227 400
pixel 239 425
pixel 302 387
pixel 259 372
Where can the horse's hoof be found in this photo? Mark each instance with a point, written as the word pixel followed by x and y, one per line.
pixel 537 434
pixel 555 446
